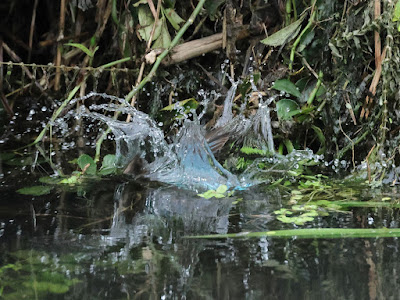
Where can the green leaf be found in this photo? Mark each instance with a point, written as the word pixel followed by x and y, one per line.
pixel 219 195
pixel 286 109
pixel 146 22
pixel 190 103
pixel 83 48
pixel 321 138
pixel 321 91
pixel 211 7
pixel 315 233
pixel 85 159
pixel 306 39
pixel 6 155
pixel 222 189
pixel 285 219
pixel 335 51
pixel 287 86
pixel 173 18
pixel 36 190
pixel 396 14
pixel 207 195
pixel 302 83
pixel 108 165
pixel 284 35
pixel 70 180
pixel 49 180
pixel 164 39
pixel 250 150
pixel 139 2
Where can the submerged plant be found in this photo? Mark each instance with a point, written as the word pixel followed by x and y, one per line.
pixel 35 275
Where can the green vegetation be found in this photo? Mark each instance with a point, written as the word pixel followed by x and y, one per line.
pixel 321 101
pixel 220 192
pixel 311 233
pixel 34 275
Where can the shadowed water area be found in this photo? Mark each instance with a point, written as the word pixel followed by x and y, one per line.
pixel 128 241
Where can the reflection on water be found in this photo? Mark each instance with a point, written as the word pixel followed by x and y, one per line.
pixel 127 241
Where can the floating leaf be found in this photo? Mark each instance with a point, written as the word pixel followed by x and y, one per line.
pixel 284 35
pixel 207 195
pixel 36 190
pixel 222 189
pixel 286 86
pixel 219 193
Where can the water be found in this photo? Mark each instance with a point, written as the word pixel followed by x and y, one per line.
pixel 128 241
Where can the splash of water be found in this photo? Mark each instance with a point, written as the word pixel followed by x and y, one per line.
pixel 188 161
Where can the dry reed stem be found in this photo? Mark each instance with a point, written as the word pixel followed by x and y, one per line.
pixel 59 38
pixel 379 57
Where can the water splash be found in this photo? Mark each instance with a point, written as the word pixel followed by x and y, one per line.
pixel 194 163
pixel 188 161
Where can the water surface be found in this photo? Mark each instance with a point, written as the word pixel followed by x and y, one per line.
pixel 127 240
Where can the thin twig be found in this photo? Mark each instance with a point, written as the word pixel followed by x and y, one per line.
pixel 153 30
pixel 59 46
pixel 368 166
pixel 32 29
pixel 352 144
pixel 16 58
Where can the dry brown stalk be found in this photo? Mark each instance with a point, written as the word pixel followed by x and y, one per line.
pixel 141 71
pixel 59 38
pixel 32 29
pixel 379 57
pixel 199 47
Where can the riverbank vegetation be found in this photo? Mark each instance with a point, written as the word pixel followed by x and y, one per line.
pixel 326 70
